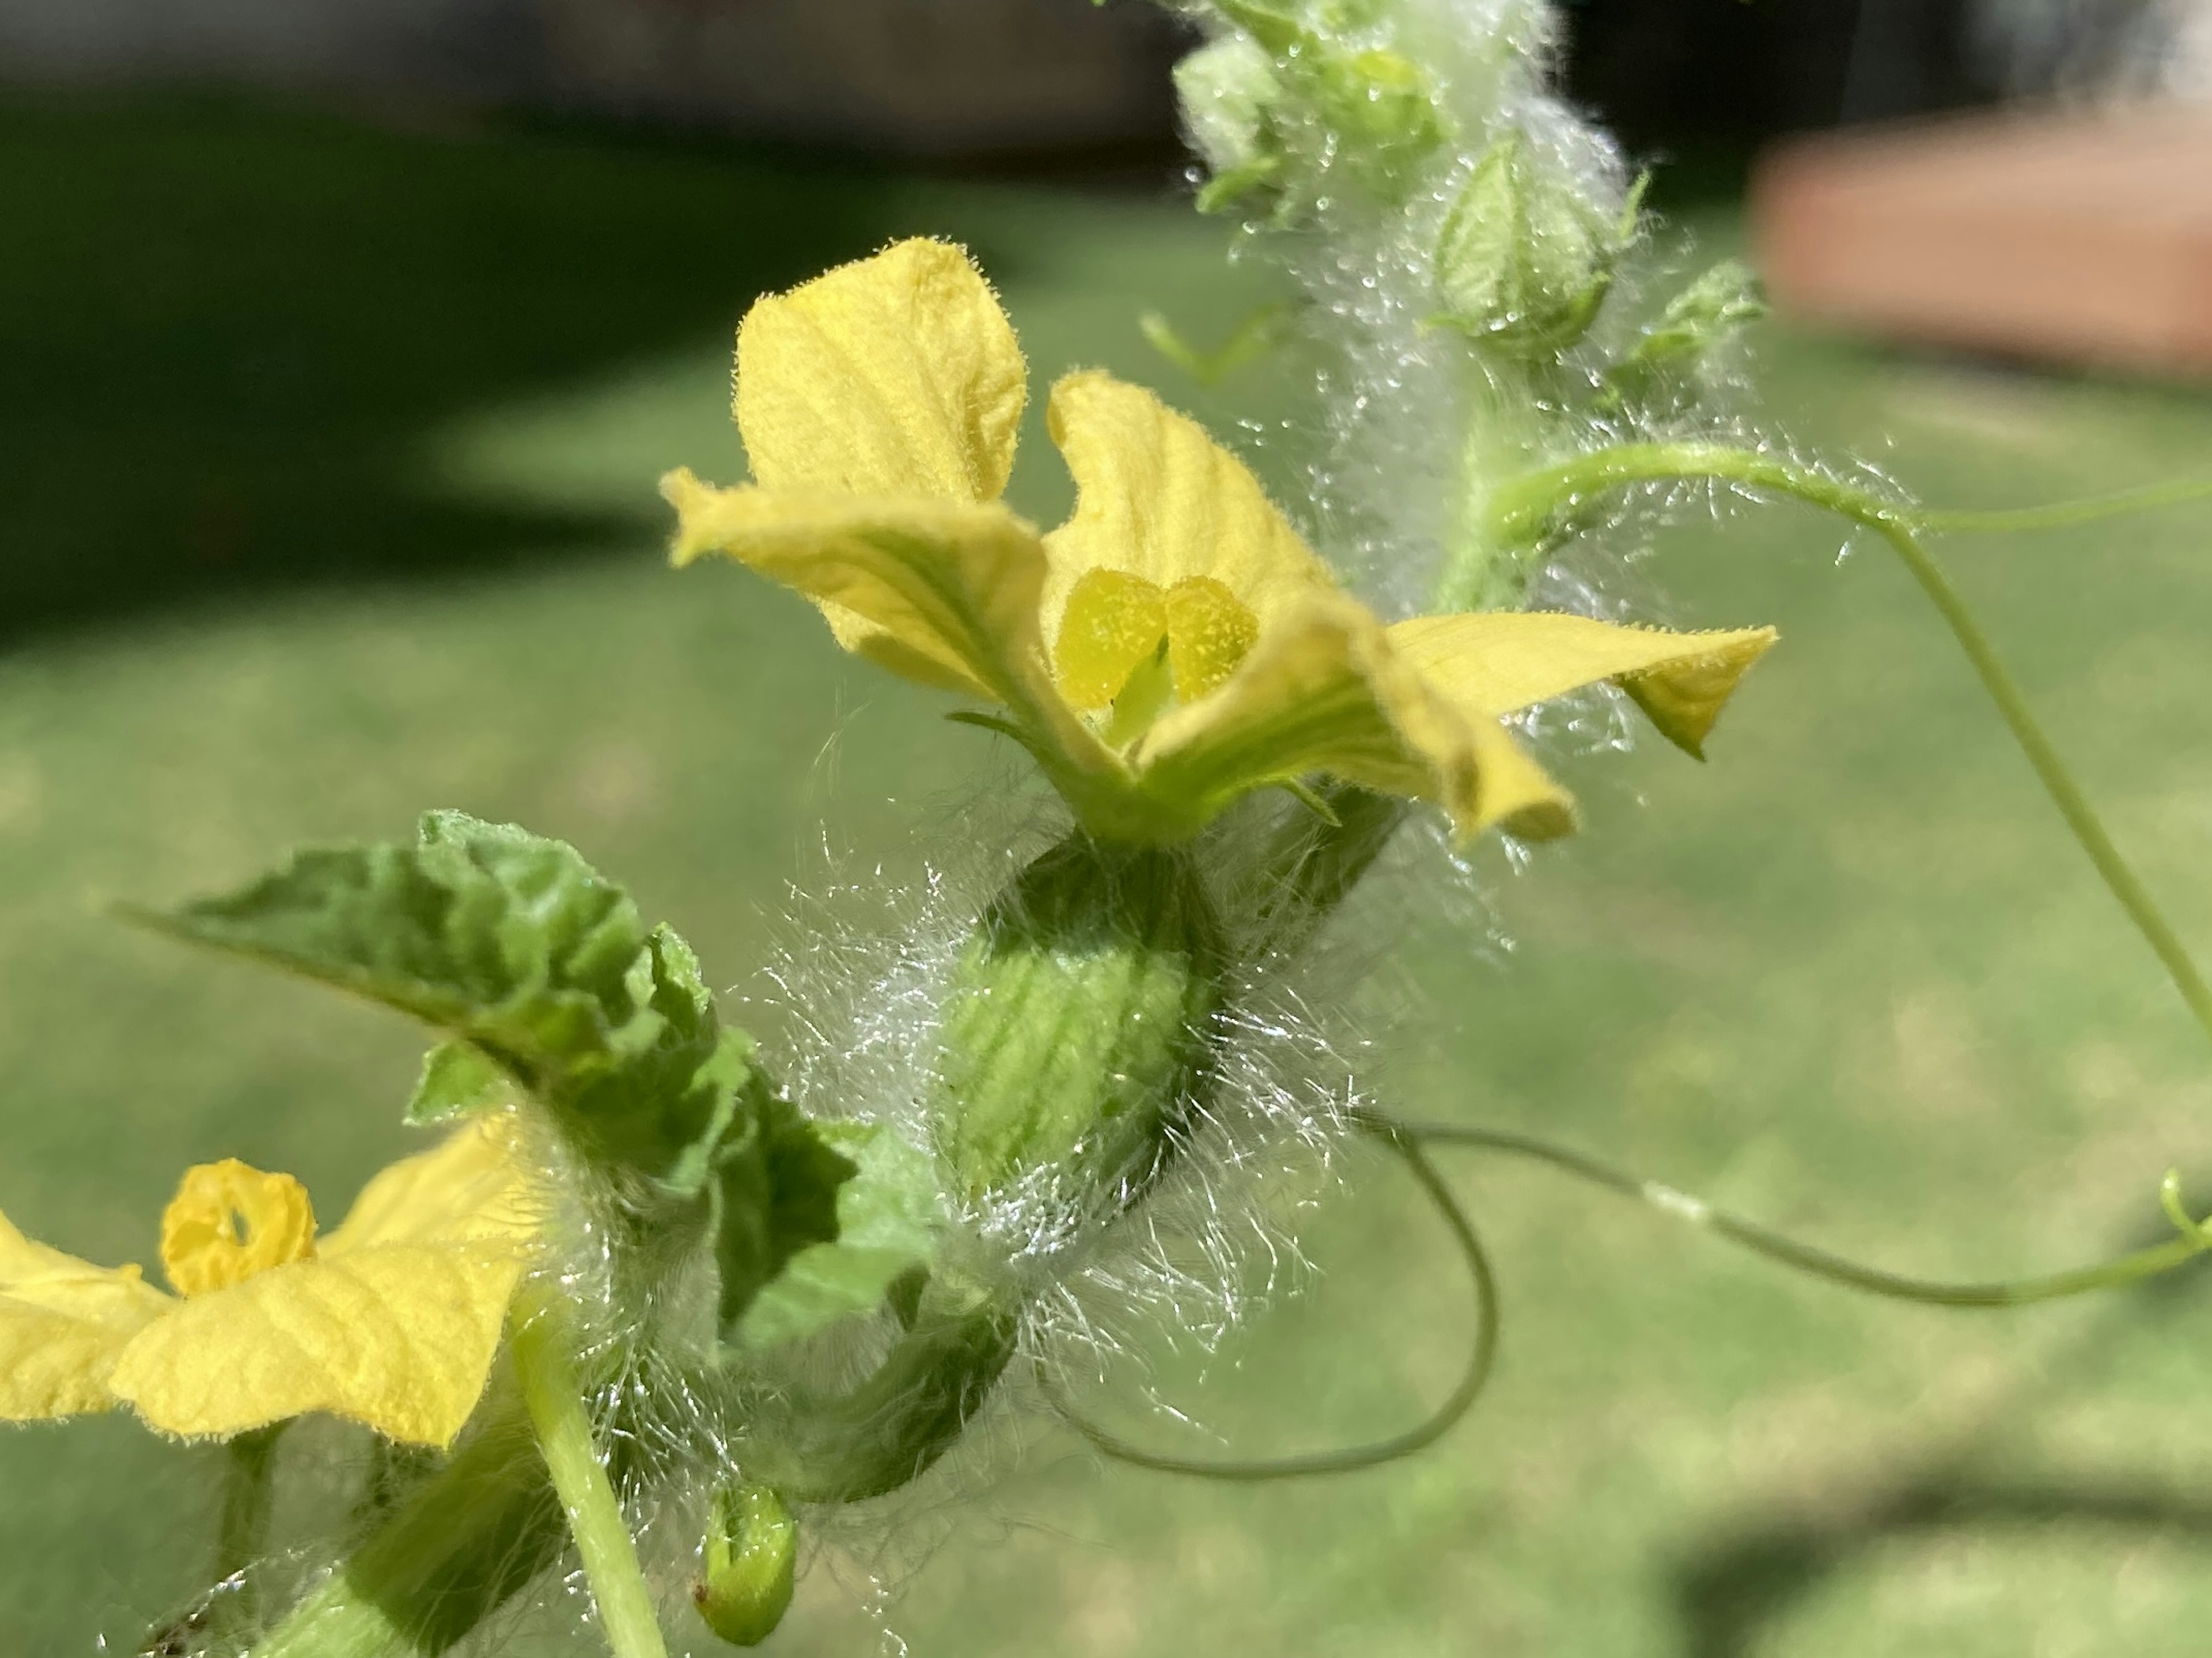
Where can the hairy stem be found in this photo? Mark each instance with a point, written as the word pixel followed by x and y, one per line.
pixel 1531 507
pixel 554 1398
pixel 242 1531
pixel 1804 1257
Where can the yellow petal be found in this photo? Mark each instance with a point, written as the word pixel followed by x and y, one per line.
pixel 897 375
pixel 229 1221
pixel 476 1186
pixel 1323 691
pixel 1159 498
pixel 400 1337
pixel 64 1322
pixel 947 592
pixel 394 1324
pixel 1504 660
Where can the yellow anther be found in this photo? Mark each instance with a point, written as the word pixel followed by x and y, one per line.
pixel 1210 632
pixel 1114 621
pixel 229 1221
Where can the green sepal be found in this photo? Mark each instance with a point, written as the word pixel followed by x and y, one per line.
pixel 747 1564
pixel 1224 191
pixel 457 1078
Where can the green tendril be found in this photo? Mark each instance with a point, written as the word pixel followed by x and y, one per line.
pixel 1529 508
pixel 2063 514
pixel 1480 1359
pixel 2196 1239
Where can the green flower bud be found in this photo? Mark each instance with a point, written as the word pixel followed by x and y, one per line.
pixel 1080 1029
pixel 1378 106
pixel 751 1549
pixel 1524 261
pixel 1259 101
pixel 1227 90
pixel 1704 316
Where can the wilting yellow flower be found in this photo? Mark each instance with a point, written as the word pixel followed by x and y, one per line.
pixel 392 1320
pixel 1173 645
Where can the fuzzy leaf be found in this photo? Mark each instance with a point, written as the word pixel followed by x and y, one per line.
pixel 512 944
pixel 890 1216
pixel 777 1181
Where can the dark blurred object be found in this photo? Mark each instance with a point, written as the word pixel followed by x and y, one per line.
pixel 2071 49
pixel 229 333
pixel 1707 75
pixel 907 76
pixel 2079 239
pixel 934 77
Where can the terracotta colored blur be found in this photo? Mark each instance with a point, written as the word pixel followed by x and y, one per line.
pixel 2083 238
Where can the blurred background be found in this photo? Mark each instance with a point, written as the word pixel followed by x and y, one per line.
pixel 341 343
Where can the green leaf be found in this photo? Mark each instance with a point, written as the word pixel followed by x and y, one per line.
pixel 889 1219
pixel 455 1080
pixel 1254 338
pixel 512 944
pixel 777 1185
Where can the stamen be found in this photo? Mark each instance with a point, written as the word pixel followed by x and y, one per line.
pixel 229 1221
pixel 1113 622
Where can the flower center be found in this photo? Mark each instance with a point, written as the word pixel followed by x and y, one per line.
pixel 229 1221
pixel 1117 624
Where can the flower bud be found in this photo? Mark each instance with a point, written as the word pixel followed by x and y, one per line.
pixel 747 1564
pixel 1229 91
pixel 1524 260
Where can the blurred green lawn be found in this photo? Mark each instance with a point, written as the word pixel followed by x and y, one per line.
pixel 329 496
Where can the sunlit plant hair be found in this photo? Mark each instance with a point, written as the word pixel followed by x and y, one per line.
pixel 651 1279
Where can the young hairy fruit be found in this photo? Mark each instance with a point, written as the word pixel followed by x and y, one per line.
pixel 1079 1033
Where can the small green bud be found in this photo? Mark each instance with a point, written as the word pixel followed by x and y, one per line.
pixel 1227 90
pixel 1524 260
pixel 1079 1026
pixel 1379 105
pixel 1252 97
pixel 747 1564
pixel 1698 321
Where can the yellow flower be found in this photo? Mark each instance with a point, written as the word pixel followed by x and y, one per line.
pixel 1173 645
pixel 392 1320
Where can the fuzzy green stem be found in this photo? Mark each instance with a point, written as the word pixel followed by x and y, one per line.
pixel 554 1398
pixel 457 1547
pixel 1529 508
pixel 1481 1358
pixel 1820 1263
pixel 1501 439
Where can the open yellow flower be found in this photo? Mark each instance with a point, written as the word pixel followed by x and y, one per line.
pixel 392 1320
pixel 1173 645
